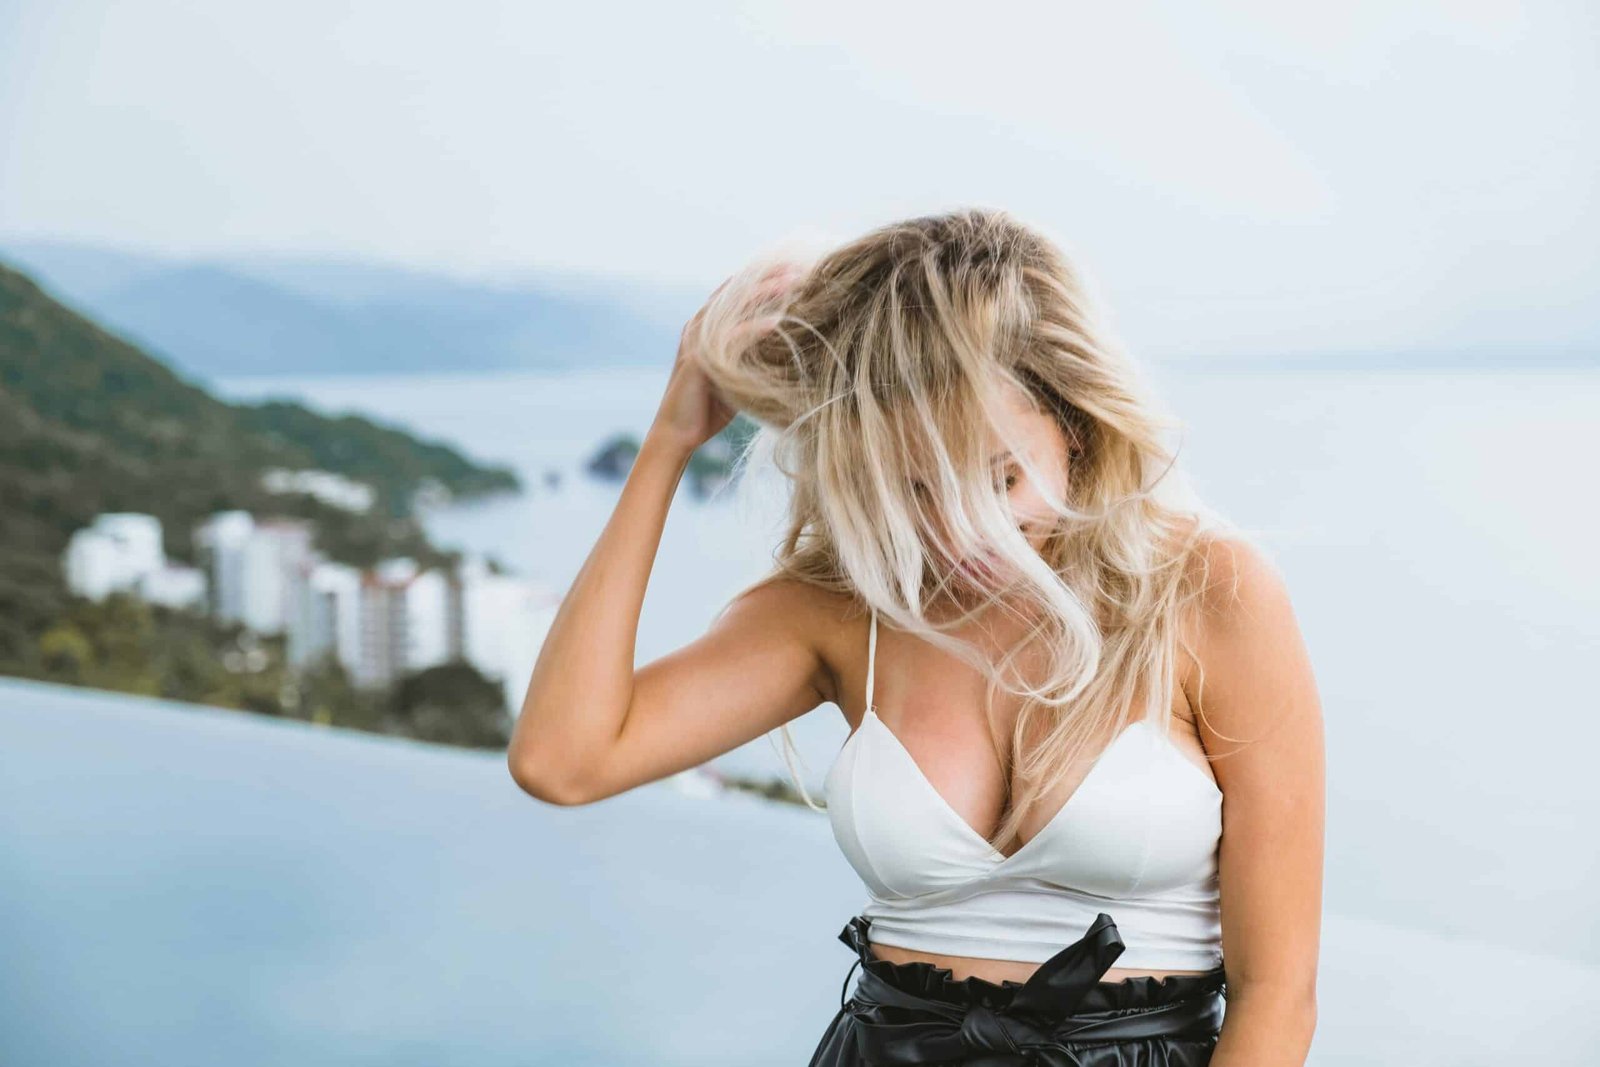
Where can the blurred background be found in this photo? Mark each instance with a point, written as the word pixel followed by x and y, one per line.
pixel 328 333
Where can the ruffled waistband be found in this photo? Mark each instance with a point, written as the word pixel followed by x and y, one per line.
pixel 929 980
pixel 1139 991
pixel 912 1013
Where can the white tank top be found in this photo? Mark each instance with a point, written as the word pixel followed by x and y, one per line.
pixel 1137 839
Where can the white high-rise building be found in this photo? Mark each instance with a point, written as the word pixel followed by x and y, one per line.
pixel 430 630
pixel 409 622
pixel 222 540
pixel 326 486
pixel 329 617
pixel 258 568
pixel 140 538
pixel 175 586
pixel 504 619
pixel 274 562
pixel 96 564
pixel 123 552
pixel 380 657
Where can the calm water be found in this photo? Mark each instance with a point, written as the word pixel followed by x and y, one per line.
pixel 186 886
pixel 1437 533
pixel 181 885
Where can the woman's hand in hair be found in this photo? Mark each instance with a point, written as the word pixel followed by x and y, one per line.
pixel 692 411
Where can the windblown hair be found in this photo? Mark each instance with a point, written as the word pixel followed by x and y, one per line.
pixel 876 387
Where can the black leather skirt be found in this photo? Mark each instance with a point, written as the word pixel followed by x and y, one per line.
pixel 1062 1016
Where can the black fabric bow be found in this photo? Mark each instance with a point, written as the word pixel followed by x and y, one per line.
pixel 1029 1028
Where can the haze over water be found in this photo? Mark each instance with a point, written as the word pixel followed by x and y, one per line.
pixel 202 886
pixel 1434 530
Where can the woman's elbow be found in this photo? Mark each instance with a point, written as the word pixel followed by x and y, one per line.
pixel 541 780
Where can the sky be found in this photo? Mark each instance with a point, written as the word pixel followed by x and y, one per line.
pixel 1245 178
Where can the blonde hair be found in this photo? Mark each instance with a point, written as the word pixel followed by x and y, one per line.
pixel 889 352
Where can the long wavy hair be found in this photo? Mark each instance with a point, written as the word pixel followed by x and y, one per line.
pixel 876 387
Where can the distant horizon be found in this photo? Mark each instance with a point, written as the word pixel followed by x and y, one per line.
pixel 508 276
pixel 654 296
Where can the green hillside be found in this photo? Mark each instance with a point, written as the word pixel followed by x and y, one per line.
pixel 90 424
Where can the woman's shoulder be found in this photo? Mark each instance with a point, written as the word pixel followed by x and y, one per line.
pixel 796 597
pixel 1233 588
pixel 825 619
pixel 828 618
pixel 1237 574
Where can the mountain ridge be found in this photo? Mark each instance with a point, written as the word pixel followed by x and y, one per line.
pixel 220 317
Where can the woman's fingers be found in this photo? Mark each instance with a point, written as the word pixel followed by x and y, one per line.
pixel 773 282
pixel 778 278
pixel 760 325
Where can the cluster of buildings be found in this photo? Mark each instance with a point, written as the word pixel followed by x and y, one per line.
pixel 379 623
pixel 326 486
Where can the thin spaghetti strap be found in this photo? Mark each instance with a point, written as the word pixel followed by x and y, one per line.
pixel 872 655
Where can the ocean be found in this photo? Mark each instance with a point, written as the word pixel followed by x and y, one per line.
pixel 189 885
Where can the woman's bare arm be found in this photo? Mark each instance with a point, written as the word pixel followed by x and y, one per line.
pixel 591 726
pixel 1255 682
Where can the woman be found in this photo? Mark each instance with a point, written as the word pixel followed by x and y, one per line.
pixel 1084 780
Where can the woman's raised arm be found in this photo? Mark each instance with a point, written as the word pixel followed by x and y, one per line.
pixel 590 725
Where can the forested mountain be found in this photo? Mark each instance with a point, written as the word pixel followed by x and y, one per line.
pixel 89 423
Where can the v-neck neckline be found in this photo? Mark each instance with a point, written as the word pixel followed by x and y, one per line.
pixel 995 856
pixel 999 858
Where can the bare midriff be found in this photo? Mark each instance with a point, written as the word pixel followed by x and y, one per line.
pixel 997 971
